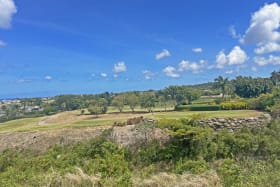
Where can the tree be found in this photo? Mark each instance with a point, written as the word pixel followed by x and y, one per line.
pixel 248 87
pixel 148 100
pixel 181 94
pixel 98 106
pixel 103 103
pixel 119 102
pixel 49 109
pixel 163 102
pixel 132 100
pixel 221 83
pixel 275 78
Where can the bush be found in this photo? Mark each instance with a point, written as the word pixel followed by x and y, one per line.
pixel 197 108
pixel 263 102
pixel 192 166
pixel 234 105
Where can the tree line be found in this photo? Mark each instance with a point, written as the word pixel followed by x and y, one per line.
pixel 241 86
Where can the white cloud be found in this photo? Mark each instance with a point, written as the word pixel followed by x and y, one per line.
pixel 2 43
pixel 120 67
pixel 48 77
pixel 115 76
pixel 264 29
pixel 164 53
pixel 267 48
pixel 221 60
pixel 7 9
pixel 236 57
pixel 271 60
pixel 195 67
pixel 229 72
pixel 148 74
pixel 104 75
pixel 233 32
pixel 197 50
pixel 170 71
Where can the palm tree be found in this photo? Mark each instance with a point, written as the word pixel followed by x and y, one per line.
pixel 221 83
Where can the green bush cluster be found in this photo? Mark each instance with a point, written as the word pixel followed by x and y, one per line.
pixel 234 105
pixel 98 157
pixel 197 108
pixel 192 166
pixel 263 102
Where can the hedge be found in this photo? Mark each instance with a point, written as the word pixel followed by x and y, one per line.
pixel 234 105
pixel 197 107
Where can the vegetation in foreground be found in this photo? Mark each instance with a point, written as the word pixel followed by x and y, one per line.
pixel 249 157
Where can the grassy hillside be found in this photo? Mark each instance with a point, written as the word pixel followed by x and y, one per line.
pixel 75 119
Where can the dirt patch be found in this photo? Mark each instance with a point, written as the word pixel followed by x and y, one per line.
pixel 75 116
pixel 43 140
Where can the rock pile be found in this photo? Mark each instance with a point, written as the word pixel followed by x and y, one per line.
pixel 136 135
pixel 130 121
pixel 236 123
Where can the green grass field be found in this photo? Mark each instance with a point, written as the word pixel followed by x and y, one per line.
pixel 207 114
pixel 74 119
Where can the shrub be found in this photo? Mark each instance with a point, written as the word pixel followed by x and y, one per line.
pixel 230 173
pixel 197 108
pixel 263 102
pixel 192 166
pixel 234 105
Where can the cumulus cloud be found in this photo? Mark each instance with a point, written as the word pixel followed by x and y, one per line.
pixel 148 74
pixel 7 9
pixel 170 71
pixel 2 43
pixel 119 67
pixel 48 77
pixel 264 29
pixel 197 50
pixel 267 48
pixel 104 75
pixel 270 60
pixel 195 67
pixel 236 57
pixel 164 53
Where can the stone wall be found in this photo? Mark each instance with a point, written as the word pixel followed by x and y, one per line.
pixel 236 123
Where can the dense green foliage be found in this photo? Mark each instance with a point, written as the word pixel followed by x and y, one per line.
pixel 248 87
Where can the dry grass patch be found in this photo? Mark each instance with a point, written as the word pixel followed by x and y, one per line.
pixel 208 179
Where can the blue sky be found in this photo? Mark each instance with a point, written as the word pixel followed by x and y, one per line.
pixel 69 46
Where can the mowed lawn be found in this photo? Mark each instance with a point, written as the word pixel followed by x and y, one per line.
pixel 207 114
pixel 74 119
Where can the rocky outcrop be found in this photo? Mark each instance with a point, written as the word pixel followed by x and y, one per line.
pixel 236 123
pixel 137 135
